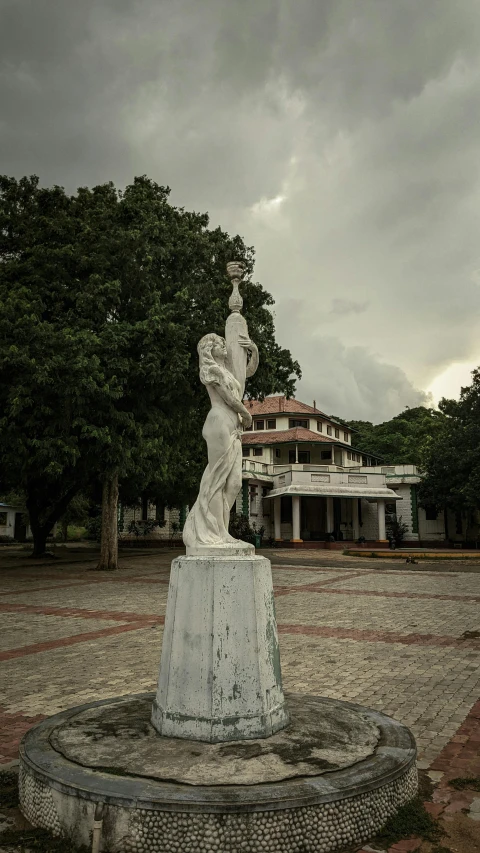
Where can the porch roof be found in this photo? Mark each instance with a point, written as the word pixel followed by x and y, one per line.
pixel 297 435
pixel 286 436
pixel 331 490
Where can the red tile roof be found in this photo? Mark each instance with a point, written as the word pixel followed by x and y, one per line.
pixel 277 405
pixel 280 405
pixel 282 436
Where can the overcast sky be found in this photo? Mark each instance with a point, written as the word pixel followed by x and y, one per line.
pixel 340 138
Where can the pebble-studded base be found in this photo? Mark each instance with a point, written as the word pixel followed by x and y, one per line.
pixel 318 828
pixel 36 802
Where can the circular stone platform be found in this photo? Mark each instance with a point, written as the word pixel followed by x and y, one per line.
pixel 330 780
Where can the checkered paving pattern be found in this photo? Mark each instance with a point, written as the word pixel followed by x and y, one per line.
pixel 400 641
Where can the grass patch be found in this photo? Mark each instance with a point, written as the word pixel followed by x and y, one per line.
pixel 411 819
pixel 40 841
pixel 8 790
pixel 461 783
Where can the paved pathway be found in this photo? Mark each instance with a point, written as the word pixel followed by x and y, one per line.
pixel 405 642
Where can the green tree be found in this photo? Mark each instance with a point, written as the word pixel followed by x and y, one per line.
pixel 104 296
pixel 402 439
pixel 451 458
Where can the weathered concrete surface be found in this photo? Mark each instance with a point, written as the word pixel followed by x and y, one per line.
pixel 327 811
pixel 322 737
pixel 220 677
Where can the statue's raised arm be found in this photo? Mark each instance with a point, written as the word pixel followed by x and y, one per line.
pixel 224 366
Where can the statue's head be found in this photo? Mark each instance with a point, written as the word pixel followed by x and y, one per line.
pixel 212 352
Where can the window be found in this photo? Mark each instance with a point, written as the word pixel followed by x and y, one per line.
pixel 278 453
pixel 345 436
pixel 359 458
pixel 3 519
pixel 364 460
pixel 304 456
pixel 319 426
pixel 259 424
pixel 245 451
pixel 349 455
pixel 258 451
pixel 431 513
pixel 272 424
pixel 329 430
pixel 292 457
pixel 326 454
pixel 337 433
pixel 298 422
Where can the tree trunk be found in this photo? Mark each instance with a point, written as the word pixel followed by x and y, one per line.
pixel 40 534
pixel 41 526
pixel 109 541
pixel 64 529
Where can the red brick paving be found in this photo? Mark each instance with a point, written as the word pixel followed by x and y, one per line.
pixel 35 648
pixel 116 615
pixel 380 594
pixel 378 636
pixel 12 729
pixel 461 757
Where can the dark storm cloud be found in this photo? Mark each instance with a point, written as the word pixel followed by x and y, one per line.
pixel 341 139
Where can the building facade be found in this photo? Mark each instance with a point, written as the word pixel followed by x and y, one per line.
pixel 304 481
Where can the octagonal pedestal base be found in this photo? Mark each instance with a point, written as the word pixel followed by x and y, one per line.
pixel 329 781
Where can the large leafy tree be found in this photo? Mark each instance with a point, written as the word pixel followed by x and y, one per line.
pixel 402 439
pixel 451 458
pixel 104 296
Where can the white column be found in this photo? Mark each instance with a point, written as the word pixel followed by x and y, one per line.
pixel 381 520
pixel 296 454
pixel 296 518
pixel 277 516
pixel 355 523
pixel 330 521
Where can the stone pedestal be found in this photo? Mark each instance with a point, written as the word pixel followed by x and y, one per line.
pixel 220 677
pixel 327 783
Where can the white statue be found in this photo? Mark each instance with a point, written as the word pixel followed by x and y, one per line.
pixel 223 371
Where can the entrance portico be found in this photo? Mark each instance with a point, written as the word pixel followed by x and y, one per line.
pixel 314 506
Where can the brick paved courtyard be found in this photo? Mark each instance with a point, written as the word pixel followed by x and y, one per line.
pixel 378 634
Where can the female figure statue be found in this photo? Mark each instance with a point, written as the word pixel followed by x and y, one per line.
pixel 207 521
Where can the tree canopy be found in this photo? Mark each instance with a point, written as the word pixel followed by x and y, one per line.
pixel 402 440
pixel 104 295
pixel 451 459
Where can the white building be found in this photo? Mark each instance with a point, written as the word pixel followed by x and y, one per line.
pixel 12 523
pixel 304 481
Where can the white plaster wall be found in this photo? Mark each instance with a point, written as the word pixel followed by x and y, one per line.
pixel 404 508
pixel 259 509
pixel 431 530
pixel 370 520
pixel 165 532
pixel 9 528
